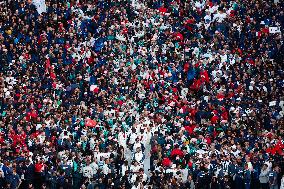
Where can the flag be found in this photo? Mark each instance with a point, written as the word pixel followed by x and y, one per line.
pixel 163 10
pixel 191 74
pixel 90 123
pixel 40 6
pixel 94 88
pixel 179 36
pixel 274 30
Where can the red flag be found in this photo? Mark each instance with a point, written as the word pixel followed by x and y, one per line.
pixel 163 10
pixel 177 152
pixel 90 123
pixel 179 36
pixel 166 162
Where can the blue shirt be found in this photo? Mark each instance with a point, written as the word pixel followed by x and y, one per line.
pixel 272 177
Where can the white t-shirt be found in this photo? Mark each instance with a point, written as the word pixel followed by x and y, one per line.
pixel 88 171
pixel 134 168
pixel 213 9
pixel 95 167
pixel 138 156
pixel 132 137
pixel 219 17
pixel 136 145
pixel 207 18
pixel 105 169
pixel 124 169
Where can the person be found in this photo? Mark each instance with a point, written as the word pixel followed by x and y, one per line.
pixel 273 184
pixel 282 183
pixel 247 177
pixel 139 156
pixel 124 168
pixel 239 177
pixel 39 170
pixel 44 186
pixel 214 183
pixel 263 177
pixel 227 184
pixel 52 180
pixel 203 180
pixel 15 180
pixel 2 179
pixel 30 186
pixel 189 183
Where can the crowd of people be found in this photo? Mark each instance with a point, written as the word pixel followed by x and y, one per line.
pixel 142 94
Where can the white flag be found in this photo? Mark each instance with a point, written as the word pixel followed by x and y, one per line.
pixel 40 6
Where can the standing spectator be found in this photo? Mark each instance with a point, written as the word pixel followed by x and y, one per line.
pixel 282 183
pixel 214 183
pixel 15 180
pixel 273 183
pixel 263 177
pixel 2 179
pixel 189 183
pixel 239 177
pixel 247 177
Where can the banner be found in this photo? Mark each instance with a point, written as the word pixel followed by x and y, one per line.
pixel 40 6
pixel 274 30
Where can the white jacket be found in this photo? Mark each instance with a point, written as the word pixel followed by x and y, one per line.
pixel 263 177
pixel 282 183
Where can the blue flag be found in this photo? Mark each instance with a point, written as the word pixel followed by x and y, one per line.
pixel 191 74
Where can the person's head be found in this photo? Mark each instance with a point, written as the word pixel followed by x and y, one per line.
pixel 265 166
pixel 246 166
pixel 141 171
pixel 43 186
pixel 100 180
pixel 189 177
pixel 30 186
pixel 125 163
pixel 276 168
